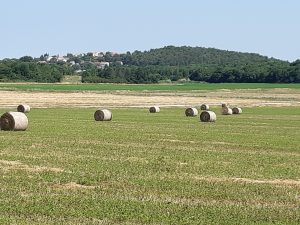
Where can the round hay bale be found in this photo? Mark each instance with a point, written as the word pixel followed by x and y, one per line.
pixel 23 108
pixel 208 116
pixel 224 105
pixel 191 112
pixel 103 115
pixel 204 107
pixel 154 109
pixel 226 111
pixel 236 110
pixel 16 121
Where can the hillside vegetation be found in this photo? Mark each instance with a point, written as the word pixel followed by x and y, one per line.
pixel 164 64
pixel 174 56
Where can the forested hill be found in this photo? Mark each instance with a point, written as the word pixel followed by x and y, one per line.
pixel 156 65
pixel 174 56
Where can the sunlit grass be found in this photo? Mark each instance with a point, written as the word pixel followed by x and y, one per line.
pixel 161 168
pixel 142 87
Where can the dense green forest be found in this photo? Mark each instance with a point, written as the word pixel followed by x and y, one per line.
pixel 27 69
pixel 164 64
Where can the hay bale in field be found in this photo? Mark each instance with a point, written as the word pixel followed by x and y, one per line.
pixel 191 112
pixel 204 107
pixel 154 109
pixel 208 116
pixel 15 121
pixel 226 111
pixel 224 105
pixel 23 108
pixel 103 115
pixel 236 110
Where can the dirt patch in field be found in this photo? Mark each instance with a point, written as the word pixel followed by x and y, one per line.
pixel 250 181
pixel 10 163
pixel 72 186
pixel 37 99
pixel 16 165
pixel 207 201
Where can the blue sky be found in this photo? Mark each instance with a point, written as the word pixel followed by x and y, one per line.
pixel 34 27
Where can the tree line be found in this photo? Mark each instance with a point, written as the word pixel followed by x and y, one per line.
pixel 264 72
pixel 26 69
pixel 164 64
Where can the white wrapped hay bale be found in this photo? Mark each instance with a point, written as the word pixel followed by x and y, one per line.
pixel 236 110
pixel 191 112
pixel 226 111
pixel 23 108
pixel 154 109
pixel 204 107
pixel 103 115
pixel 14 121
pixel 208 116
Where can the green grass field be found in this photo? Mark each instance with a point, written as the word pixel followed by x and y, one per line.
pixel 144 168
pixel 141 87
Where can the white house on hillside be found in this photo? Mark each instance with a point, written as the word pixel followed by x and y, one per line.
pixel 101 65
pixel 98 54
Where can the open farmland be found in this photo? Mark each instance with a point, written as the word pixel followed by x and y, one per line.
pixel 143 168
pixel 123 98
pixel 143 87
pixel 160 168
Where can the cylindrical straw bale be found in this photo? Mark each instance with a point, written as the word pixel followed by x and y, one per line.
pixel 103 115
pixel 16 121
pixel 208 116
pixel 154 109
pixel 236 110
pixel 23 108
pixel 204 107
pixel 226 111
pixel 224 105
pixel 191 112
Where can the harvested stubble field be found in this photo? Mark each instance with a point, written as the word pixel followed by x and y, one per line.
pixel 144 168
pixel 122 98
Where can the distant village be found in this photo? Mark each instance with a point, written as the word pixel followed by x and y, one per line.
pixel 81 61
pixel 169 63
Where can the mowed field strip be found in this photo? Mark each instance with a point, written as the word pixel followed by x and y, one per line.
pixel 142 168
pixel 162 168
pixel 241 97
